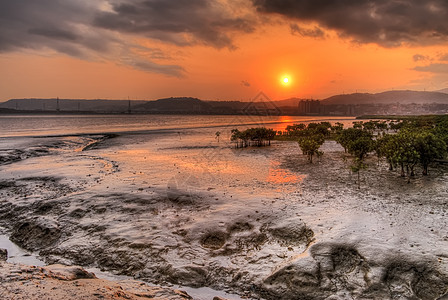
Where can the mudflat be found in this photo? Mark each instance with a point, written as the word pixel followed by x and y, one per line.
pixel 186 209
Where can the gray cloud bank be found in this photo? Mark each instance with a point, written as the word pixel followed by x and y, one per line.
pixel 109 29
pixel 315 32
pixel 182 22
pixel 433 68
pixel 105 29
pixel 388 23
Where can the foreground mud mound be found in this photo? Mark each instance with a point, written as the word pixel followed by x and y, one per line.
pixel 333 271
pixel 290 232
pixel 20 282
pixel 257 256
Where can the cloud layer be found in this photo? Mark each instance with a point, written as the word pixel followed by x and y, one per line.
pixel 433 68
pixel 388 23
pixel 315 32
pixel 108 29
pixel 124 30
pixel 182 22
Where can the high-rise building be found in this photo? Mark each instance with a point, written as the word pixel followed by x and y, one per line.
pixel 309 107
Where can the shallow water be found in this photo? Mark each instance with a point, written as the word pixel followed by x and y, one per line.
pixel 17 254
pixel 29 125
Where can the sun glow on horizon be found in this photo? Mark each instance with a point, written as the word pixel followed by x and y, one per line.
pixel 285 80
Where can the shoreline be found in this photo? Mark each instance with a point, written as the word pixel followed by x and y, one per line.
pixel 231 125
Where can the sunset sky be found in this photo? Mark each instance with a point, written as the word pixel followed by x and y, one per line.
pixel 220 49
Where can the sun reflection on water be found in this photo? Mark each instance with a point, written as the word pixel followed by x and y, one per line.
pixel 282 176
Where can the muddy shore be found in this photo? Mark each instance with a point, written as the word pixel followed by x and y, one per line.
pixel 260 222
pixel 70 282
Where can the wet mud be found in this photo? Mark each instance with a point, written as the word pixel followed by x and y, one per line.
pixel 262 222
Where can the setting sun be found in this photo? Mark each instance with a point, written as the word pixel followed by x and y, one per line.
pixel 285 80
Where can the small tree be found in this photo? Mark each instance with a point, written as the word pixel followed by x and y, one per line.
pixel 361 145
pixel 337 128
pixel 293 131
pixel 381 126
pixel 310 144
pixel 429 148
pixel 238 138
pixel 370 126
pixel 357 166
pixel 270 135
pixel 259 136
pixel 346 136
pixel 384 148
pixel 401 150
pixel 217 134
pixel 358 125
pixel 322 128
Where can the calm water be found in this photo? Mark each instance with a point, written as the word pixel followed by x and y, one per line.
pixel 27 125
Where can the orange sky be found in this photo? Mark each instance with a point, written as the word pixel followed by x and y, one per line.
pixel 257 60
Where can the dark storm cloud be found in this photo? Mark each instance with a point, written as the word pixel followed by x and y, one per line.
pixel 37 24
pixel 54 33
pixel 385 22
pixel 183 22
pixel 108 28
pixel 315 32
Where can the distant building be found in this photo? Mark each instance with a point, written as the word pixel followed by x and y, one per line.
pixel 309 107
pixel 58 109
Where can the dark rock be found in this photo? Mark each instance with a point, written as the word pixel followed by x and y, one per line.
pixel 69 272
pixel 7 184
pixel 3 254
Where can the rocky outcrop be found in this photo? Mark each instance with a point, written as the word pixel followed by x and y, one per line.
pixel 3 254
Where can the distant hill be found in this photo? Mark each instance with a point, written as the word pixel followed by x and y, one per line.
pixel 7 110
pixel 94 105
pixel 443 91
pixel 175 105
pixel 288 102
pixel 389 97
pixel 389 102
